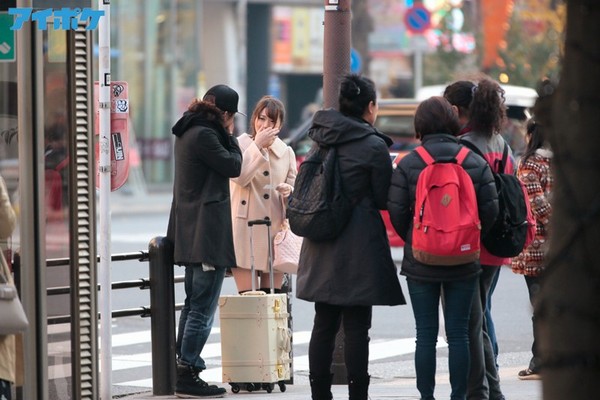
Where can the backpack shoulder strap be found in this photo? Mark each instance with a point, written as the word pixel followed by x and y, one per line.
pixel 504 158
pixel 463 152
pixel 472 146
pixel 424 154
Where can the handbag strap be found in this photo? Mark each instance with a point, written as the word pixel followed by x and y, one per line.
pixel 283 218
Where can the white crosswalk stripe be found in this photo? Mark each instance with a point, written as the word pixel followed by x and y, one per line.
pixel 123 360
pixel 378 350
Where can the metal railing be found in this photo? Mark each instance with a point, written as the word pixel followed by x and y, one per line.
pixel 161 283
pixel 161 310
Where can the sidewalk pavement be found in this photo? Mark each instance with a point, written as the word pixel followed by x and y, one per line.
pixel 399 388
pixel 398 381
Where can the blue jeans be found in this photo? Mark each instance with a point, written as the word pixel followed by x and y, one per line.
pixel 202 290
pixel 425 300
pixel 489 322
pixel 484 382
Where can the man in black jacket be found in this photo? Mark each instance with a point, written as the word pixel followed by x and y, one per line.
pixel 206 156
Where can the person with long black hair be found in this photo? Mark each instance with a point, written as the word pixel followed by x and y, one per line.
pixel 535 171
pixel 345 277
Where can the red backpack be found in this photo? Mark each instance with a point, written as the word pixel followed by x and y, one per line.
pixel 446 226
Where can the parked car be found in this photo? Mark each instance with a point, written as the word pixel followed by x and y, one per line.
pixel 395 119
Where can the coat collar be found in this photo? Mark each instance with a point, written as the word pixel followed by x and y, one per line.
pixel 279 148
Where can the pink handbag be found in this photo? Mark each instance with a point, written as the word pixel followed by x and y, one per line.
pixel 286 247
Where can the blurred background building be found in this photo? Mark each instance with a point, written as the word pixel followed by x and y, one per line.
pixel 172 50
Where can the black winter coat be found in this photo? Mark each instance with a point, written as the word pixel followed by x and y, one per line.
pixel 206 156
pixel 356 268
pixel 401 203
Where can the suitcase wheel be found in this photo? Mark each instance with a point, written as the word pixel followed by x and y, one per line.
pixel 250 387
pixel 268 387
pixel 282 387
pixel 235 388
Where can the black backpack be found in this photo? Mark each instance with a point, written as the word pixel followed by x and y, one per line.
pixel 318 209
pixel 508 235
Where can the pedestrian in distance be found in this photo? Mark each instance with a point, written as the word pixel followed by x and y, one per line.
pixel 8 221
pixel 437 125
pixel 267 179
pixel 349 274
pixel 535 171
pixel 207 155
pixel 482 106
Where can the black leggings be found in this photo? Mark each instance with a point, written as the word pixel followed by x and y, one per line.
pixel 357 322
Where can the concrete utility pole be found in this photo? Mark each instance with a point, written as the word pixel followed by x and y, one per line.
pixel 336 48
pixel 336 64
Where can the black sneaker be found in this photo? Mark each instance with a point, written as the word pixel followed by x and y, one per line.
pixel 529 375
pixel 190 386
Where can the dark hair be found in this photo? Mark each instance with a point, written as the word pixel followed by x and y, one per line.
pixel 356 92
pixel 275 111
pixel 460 94
pixel 482 103
pixel 537 139
pixel 435 115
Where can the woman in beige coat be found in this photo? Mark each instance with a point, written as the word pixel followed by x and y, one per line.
pixel 7 342
pixel 267 179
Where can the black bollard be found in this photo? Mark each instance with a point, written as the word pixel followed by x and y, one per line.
pixel 162 310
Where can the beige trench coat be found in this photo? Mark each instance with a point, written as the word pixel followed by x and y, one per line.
pixel 7 342
pixel 253 196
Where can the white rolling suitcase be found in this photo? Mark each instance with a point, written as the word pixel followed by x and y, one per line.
pixel 255 338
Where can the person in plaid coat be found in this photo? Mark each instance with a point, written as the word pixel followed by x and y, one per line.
pixel 536 174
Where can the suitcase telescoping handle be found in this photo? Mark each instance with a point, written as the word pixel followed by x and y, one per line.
pixel 266 222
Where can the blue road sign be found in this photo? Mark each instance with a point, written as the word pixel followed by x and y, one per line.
pixel 417 19
pixel 355 61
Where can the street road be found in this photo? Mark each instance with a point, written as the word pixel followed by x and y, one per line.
pixel 392 333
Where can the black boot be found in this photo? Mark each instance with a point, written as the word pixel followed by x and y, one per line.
pixel 358 387
pixel 268 290
pixel 189 384
pixel 320 387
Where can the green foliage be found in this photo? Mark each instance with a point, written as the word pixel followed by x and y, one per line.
pixel 524 58
pixel 527 58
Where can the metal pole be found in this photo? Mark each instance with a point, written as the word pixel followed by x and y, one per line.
pixel 336 48
pixel 242 22
pixel 418 69
pixel 33 278
pixel 162 313
pixel 105 174
pixel 336 64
